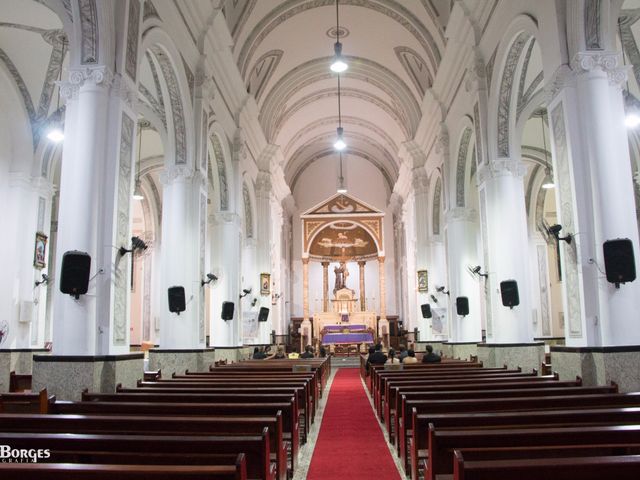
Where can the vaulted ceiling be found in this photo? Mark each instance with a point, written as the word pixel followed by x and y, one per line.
pixel 283 49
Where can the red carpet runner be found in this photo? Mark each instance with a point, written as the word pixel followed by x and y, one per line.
pixel 350 443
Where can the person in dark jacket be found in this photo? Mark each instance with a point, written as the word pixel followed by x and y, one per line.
pixel 377 357
pixel 430 357
pixel 308 352
pixel 258 354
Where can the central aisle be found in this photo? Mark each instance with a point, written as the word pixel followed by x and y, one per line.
pixel 350 444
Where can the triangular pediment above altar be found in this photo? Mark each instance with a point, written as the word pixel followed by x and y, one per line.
pixel 342 205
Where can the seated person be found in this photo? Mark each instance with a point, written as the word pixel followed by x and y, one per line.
pixel 258 354
pixel 403 352
pixel 308 352
pixel 430 357
pixel 377 357
pixel 411 357
pixel 392 360
pixel 279 354
pixel 323 351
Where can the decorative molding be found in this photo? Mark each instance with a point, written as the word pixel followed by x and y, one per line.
pixel 462 214
pixel 225 218
pixel 563 77
pixel 123 89
pixel 122 270
pixel 149 11
pixel 437 206
pixel 248 212
pixel 133 35
pixel 79 77
pixel 416 68
pixel 419 180
pixel 262 72
pixel 476 74
pixel 461 167
pixel 176 173
pixel 592 28
pixel 442 142
pixel 89 31
pixel 222 172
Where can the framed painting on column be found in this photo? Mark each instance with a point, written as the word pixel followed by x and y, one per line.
pixel 40 251
pixel 423 281
pixel 265 283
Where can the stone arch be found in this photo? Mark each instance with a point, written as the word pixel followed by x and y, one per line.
pixel 461 173
pixel 180 123
pixel 221 171
pixel 503 105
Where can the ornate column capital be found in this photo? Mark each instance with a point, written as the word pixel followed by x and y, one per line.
pixel 462 214
pixel 176 173
pixel 362 263
pixel 442 141
pixel 263 184
pixel 239 147
pixel 79 77
pixel 500 168
pixel 607 62
pixel 225 218
pixel 420 180
pixel 476 74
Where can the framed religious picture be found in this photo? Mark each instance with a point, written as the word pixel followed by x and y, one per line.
pixel 40 251
pixel 265 283
pixel 423 281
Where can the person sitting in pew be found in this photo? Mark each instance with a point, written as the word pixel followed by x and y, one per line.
pixel 258 354
pixel 308 352
pixel 377 357
pixel 411 357
pixel 392 360
pixel 431 357
pixel 279 354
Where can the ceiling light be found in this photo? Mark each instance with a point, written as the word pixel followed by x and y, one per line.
pixel 56 134
pixel 548 179
pixel 137 191
pixel 338 65
pixel 340 144
pixel 632 120
pixel 342 188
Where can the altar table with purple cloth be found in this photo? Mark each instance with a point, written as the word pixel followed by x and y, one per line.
pixel 358 337
pixel 340 328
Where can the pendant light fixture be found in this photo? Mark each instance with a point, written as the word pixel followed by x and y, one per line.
pixel 338 65
pixel 137 191
pixel 342 188
pixel 548 179
pixel 339 144
pixel 55 133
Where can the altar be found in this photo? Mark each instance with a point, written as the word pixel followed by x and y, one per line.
pixel 346 334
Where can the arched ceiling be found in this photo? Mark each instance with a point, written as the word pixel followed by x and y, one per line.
pixel 283 49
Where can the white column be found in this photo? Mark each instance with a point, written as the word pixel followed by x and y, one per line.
pixel 421 230
pixel 225 244
pixel 605 136
pixel 84 154
pixel 278 271
pixel 462 238
pixel 508 245
pixel 180 256
pixel 263 248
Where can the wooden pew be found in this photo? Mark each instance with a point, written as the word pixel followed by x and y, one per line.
pixel 255 447
pixel 526 401
pixel 26 402
pixel 19 382
pixel 623 467
pixel 443 442
pixel 67 471
pixel 162 425
pixel 395 391
pixel 563 417
pixel 289 417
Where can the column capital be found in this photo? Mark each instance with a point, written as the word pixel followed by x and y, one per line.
pixel 607 62
pixel 476 73
pixel 263 184
pixel 239 147
pixel 176 173
pixel 381 258
pixel 99 75
pixel 305 260
pixel 362 263
pixel 225 218
pixel 462 214
pixel 420 180
pixel 442 141
pixel 124 89
pixel 500 168
pixel 324 264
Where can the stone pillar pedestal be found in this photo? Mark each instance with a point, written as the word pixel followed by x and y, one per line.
pixel 65 376
pixel 524 355
pixel 325 286
pixel 18 360
pixel 177 361
pixel 599 365
pixel 462 350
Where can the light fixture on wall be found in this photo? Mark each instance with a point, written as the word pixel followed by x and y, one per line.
pixel 342 188
pixel 555 231
pixel 548 176
pixel 338 64
pixel 137 191
pixel 210 278
pixel 245 292
pixel 55 133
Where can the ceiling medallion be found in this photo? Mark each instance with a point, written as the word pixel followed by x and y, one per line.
pixel 333 32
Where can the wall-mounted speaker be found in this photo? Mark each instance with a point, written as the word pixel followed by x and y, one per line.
pixel 227 310
pixel 462 306
pixel 426 310
pixel 509 292
pixel 263 315
pixel 177 302
pixel 619 261
pixel 74 273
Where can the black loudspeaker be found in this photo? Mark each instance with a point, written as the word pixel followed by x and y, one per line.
pixel 176 300
pixel 74 277
pixel 263 315
pixel 462 306
pixel 426 310
pixel 509 292
pixel 619 262
pixel 227 310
